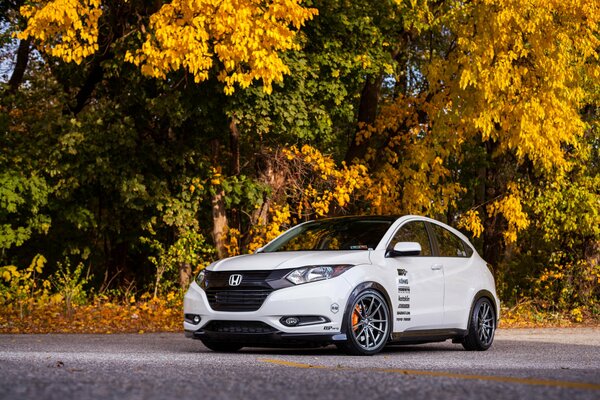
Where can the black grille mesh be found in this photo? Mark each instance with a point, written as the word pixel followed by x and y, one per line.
pixel 236 300
pixel 240 327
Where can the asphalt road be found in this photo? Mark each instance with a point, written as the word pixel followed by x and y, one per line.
pixel 526 364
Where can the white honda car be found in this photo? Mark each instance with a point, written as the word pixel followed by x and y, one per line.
pixel 359 282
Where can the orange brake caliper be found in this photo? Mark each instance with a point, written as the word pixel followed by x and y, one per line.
pixel 355 317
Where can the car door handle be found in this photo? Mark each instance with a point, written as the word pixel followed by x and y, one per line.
pixel 436 266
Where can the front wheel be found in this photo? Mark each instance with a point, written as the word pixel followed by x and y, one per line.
pixel 367 324
pixel 482 326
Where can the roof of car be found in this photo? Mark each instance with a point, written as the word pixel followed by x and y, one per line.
pixel 387 218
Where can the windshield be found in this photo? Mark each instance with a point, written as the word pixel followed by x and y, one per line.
pixel 333 234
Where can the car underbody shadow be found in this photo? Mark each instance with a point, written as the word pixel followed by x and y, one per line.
pixel 332 350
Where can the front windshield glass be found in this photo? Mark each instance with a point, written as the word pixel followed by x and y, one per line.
pixel 333 234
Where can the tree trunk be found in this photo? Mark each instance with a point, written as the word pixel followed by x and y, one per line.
pixel 367 112
pixel 260 215
pixel 220 224
pixel 85 92
pixel 493 242
pixel 234 147
pixel 219 216
pixel 185 275
pixel 160 269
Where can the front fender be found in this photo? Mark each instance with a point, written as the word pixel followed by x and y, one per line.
pixel 354 295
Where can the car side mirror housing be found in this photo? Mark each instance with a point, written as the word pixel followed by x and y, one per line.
pixel 403 249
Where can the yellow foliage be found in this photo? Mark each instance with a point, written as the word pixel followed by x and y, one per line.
pixel 55 299
pixel 411 176
pixel 21 287
pixel 9 272
pixel 510 206
pixel 244 37
pixel 37 264
pixel 67 29
pixel 261 235
pixel 520 65
pixel 231 243
pixel 215 176
pixel 526 314
pixel 103 315
pixel 577 314
pixel 470 221
pixel 327 183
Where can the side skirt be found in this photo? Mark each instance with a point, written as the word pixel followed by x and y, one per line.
pixel 425 336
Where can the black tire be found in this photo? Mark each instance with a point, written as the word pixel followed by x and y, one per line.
pixel 482 326
pixel 221 347
pixel 371 333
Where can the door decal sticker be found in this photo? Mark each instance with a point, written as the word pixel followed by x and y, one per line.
pixel 403 297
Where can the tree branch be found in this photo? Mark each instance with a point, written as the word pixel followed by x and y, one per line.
pixel 85 92
pixel 20 67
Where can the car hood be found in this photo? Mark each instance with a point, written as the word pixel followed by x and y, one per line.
pixel 290 259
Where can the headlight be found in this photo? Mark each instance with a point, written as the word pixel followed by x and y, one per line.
pixel 316 273
pixel 200 278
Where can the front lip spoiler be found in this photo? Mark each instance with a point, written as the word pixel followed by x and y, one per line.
pixel 271 339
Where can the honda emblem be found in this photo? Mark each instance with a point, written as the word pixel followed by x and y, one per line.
pixel 235 279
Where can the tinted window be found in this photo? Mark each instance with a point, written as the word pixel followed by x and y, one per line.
pixel 449 244
pixel 468 249
pixel 334 234
pixel 413 232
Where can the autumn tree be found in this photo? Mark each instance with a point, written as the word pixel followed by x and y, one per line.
pixel 232 42
pixel 126 136
pixel 242 39
pixel 509 76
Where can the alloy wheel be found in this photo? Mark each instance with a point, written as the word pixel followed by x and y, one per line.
pixel 485 324
pixel 369 321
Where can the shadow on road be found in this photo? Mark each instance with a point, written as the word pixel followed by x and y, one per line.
pixel 333 351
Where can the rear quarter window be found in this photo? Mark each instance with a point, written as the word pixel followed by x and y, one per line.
pixel 450 245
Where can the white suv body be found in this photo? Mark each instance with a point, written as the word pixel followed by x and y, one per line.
pixel 358 282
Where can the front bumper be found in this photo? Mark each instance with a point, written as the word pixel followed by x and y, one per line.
pixel 324 298
pixel 274 339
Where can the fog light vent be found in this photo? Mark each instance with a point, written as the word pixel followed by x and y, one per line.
pixel 302 320
pixel 192 318
pixel 291 321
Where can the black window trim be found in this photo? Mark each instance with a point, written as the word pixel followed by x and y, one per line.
pixel 437 249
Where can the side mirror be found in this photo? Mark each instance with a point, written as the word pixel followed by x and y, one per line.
pixel 405 249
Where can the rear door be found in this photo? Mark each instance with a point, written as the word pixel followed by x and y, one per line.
pixel 459 276
pixel 419 303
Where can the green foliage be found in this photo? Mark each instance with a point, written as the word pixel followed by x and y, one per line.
pixel 69 283
pixel 21 202
pixel 243 191
pixel 190 248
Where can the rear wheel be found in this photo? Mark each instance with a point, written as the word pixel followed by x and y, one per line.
pixel 481 327
pixel 222 347
pixel 367 324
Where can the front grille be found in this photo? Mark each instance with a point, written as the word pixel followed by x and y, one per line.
pixel 240 327
pixel 236 300
pixel 249 295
